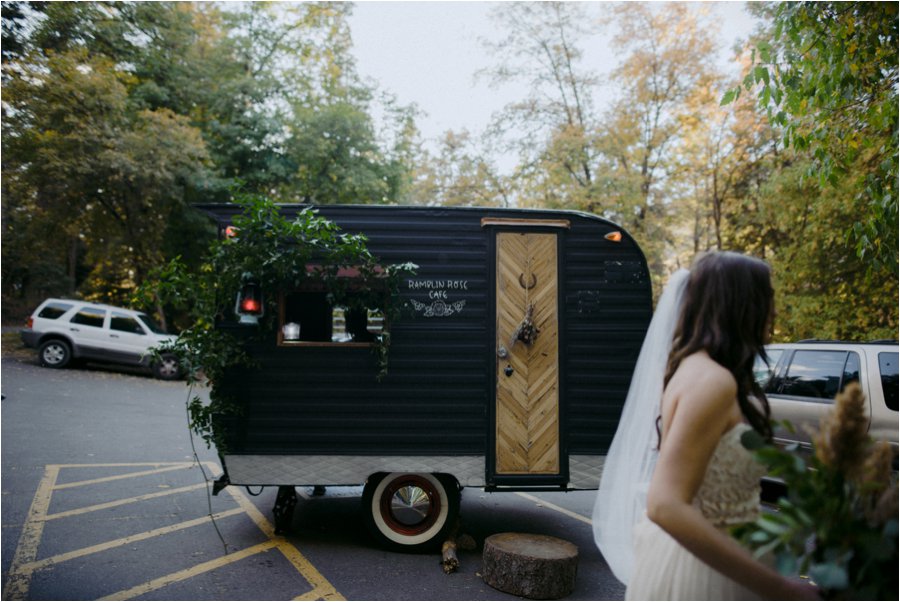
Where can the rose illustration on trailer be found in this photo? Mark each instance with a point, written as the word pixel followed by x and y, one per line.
pixel 439 304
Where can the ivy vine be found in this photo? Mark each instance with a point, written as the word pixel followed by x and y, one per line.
pixel 281 255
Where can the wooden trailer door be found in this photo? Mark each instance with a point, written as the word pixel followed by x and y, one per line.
pixel 527 429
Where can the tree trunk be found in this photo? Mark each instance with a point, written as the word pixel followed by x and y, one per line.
pixel 534 566
pixel 161 313
pixel 73 263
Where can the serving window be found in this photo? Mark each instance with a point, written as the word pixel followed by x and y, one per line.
pixel 309 318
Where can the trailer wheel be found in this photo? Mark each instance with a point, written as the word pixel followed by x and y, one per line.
pixel 410 512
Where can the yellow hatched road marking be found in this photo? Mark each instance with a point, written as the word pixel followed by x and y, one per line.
pixel 25 562
pixel 321 586
pixel 108 545
pixel 122 502
pixel 18 583
pixel 118 477
pixel 203 567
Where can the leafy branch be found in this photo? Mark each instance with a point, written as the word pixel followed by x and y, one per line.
pixel 838 522
pixel 828 78
pixel 281 255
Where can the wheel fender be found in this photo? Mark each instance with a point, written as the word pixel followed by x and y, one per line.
pixel 76 352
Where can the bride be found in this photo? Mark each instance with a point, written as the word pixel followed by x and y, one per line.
pixel 677 477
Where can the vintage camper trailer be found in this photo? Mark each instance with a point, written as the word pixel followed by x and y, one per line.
pixel 508 367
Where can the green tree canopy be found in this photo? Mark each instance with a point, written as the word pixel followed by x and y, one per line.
pixel 119 115
pixel 828 76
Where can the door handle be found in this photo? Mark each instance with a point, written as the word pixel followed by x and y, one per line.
pixel 74 330
pixel 502 353
pixel 114 336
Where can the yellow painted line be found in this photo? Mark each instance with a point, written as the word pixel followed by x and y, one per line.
pixel 559 509
pixel 108 545
pixel 25 562
pixel 128 475
pixel 319 594
pixel 250 508
pixel 185 574
pixel 18 582
pixel 123 502
pixel 323 589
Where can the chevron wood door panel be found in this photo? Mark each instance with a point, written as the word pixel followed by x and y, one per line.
pixel 527 412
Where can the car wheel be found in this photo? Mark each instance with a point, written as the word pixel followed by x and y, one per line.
pixel 55 353
pixel 168 367
pixel 410 512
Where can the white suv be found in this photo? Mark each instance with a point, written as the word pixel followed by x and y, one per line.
pixel 63 330
pixel 804 378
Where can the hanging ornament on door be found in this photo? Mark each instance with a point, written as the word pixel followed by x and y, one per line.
pixel 526 331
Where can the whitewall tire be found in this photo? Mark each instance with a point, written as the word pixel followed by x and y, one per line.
pixel 410 511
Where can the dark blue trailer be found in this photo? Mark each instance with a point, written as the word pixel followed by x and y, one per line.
pixel 508 368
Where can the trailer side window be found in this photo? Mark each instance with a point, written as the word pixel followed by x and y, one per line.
pixel 308 318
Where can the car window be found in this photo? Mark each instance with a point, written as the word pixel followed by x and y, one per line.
pixel 53 310
pixel 887 366
pixel 89 316
pixel 819 374
pixel 763 371
pixel 125 323
pixel 151 324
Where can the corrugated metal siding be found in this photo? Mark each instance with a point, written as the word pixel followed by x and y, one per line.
pixel 607 308
pixel 436 397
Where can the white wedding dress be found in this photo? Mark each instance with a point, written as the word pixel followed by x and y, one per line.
pixel 728 496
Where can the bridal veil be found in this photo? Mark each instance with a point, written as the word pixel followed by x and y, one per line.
pixel 622 497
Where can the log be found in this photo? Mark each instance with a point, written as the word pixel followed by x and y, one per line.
pixel 533 566
pixel 449 561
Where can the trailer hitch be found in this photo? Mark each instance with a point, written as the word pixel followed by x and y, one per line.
pixel 220 484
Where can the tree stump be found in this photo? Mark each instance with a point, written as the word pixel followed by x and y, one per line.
pixel 534 566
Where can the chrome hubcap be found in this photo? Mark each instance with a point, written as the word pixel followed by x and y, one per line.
pixel 410 505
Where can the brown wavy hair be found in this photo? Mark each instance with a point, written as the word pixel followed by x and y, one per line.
pixel 727 311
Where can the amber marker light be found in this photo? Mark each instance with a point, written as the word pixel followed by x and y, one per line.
pixel 614 236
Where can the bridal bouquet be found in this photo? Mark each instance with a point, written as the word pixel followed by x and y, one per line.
pixel 838 522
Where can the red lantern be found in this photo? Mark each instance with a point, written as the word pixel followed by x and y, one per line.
pixel 249 306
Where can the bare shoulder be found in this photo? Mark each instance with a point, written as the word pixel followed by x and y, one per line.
pixel 702 384
pixel 701 370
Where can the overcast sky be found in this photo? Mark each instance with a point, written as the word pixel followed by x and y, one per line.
pixel 427 53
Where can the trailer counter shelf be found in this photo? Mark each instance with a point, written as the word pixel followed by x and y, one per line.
pixel 508 368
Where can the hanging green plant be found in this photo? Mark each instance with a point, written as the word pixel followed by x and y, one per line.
pixel 277 254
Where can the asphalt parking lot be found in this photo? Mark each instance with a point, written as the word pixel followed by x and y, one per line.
pixel 103 499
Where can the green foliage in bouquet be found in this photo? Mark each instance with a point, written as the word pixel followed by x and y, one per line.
pixel 280 255
pixel 838 522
